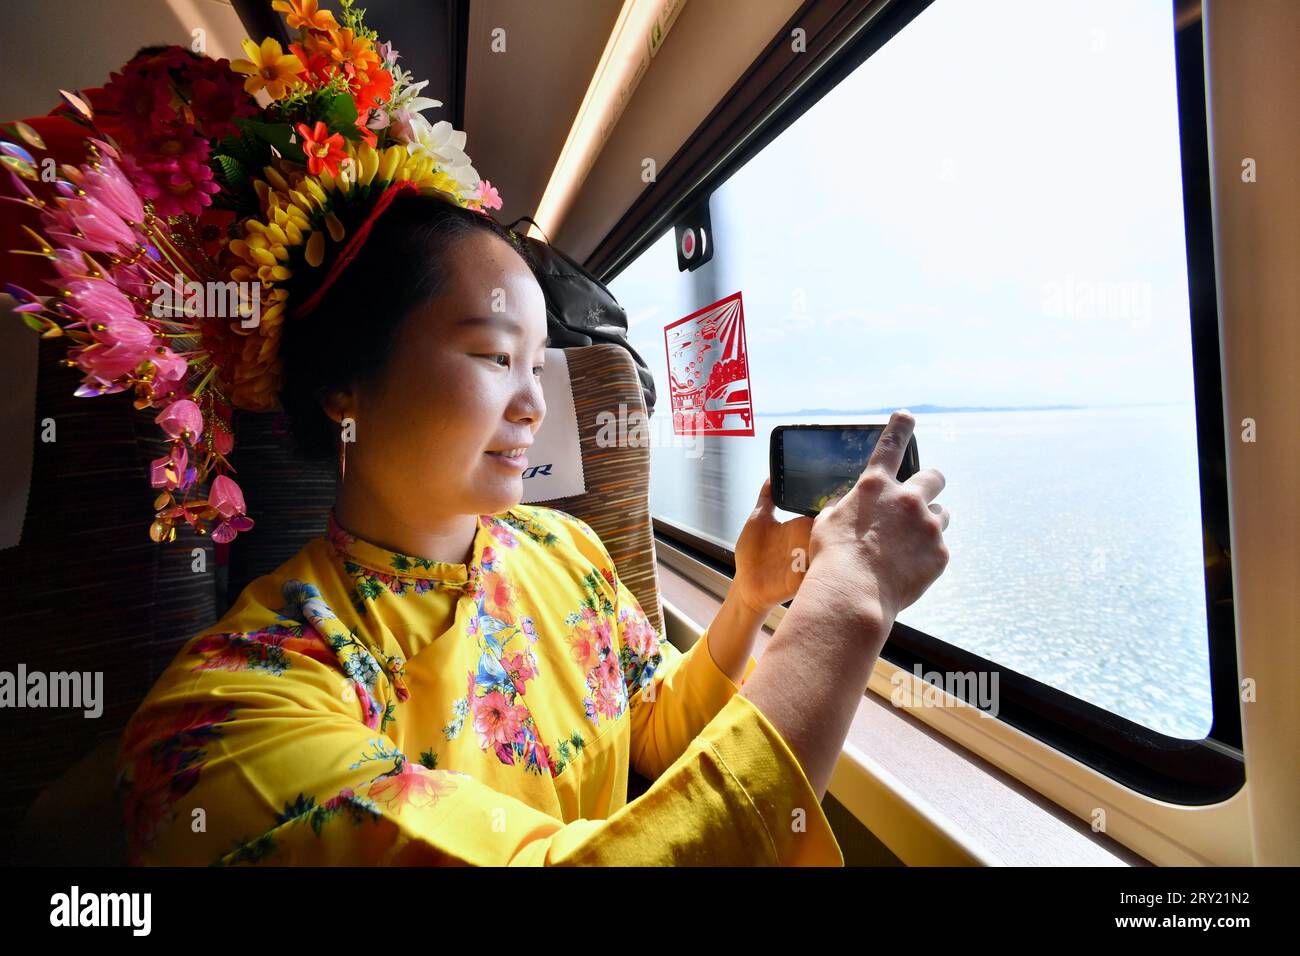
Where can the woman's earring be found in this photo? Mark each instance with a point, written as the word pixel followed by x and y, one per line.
pixel 346 435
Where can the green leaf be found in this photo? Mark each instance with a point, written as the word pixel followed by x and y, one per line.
pixel 296 809
pixel 249 151
pixel 237 187
pixel 341 114
pixel 275 134
pixel 233 174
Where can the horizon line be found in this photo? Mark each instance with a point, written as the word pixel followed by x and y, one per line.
pixel 926 409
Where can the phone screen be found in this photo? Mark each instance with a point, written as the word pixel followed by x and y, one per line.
pixel 812 464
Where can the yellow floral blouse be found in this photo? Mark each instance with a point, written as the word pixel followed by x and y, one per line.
pixel 360 706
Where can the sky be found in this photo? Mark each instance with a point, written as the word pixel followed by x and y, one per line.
pixel 988 211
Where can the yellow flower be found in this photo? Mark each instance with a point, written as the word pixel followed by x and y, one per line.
pixel 305 13
pixel 268 66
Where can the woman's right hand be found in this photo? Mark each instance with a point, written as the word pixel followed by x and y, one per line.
pixel 883 540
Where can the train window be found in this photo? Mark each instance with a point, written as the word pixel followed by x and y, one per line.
pixel 983 222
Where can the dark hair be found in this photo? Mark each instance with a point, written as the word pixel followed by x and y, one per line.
pixel 351 336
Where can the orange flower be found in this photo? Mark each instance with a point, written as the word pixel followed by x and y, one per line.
pixel 350 48
pixel 267 67
pixel 500 593
pixel 371 88
pixel 367 134
pixel 305 14
pixel 318 67
pixel 582 645
pixel 323 151
pixel 320 42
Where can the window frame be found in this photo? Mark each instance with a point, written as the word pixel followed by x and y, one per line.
pixel 778 88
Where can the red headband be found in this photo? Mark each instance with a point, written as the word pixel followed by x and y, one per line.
pixel 354 245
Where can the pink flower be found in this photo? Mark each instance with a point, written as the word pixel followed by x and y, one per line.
pixel 172 171
pixel 101 229
pixel 121 341
pixel 402 125
pixel 107 364
pixel 68 263
pixel 413 785
pixel 496 720
pixel 125 334
pixel 609 700
pixel 228 501
pixel 110 186
pixel 100 301
pixel 601 629
pixel 387 55
pixel 134 278
pixel 228 531
pixel 639 637
pixel 181 417
pixel 226 497
pixel 488 196
pixel 520 668
pixel 172 370
pixel 170 471
pixel 607 671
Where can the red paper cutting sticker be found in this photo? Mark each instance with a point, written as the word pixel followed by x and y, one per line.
pixel 708 371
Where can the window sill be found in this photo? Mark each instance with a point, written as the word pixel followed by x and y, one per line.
pixel 928 800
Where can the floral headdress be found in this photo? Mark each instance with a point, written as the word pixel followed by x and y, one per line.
pixel 193 194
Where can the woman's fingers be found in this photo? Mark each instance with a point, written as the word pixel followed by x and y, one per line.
pixel 942 512
pixel 930 481
pixel 888 453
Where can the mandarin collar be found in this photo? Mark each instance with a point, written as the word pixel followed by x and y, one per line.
pixel 395 564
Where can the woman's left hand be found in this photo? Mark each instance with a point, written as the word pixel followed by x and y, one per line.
pixel 771 555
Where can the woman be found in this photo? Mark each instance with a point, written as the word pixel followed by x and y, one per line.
pixel 446 676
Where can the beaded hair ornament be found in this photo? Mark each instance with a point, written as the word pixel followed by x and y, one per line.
pixel 171 246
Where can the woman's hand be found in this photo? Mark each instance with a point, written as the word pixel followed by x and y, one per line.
pixel 771 556
pixel 883 540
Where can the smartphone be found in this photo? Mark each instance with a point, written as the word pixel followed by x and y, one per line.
pixel 811 464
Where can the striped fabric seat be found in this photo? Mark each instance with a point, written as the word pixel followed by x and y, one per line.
pixel 86 589
pixel 617 501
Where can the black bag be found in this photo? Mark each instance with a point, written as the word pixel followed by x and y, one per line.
pixel 579 309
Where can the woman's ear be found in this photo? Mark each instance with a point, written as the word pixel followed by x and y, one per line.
pixel 337 403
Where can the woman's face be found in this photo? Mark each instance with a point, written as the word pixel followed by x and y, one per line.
pixel 465 379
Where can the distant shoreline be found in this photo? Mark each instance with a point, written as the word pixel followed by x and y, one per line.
pixel 933 409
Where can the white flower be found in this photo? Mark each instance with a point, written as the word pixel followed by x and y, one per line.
pixel 408 99
pixel 446 145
